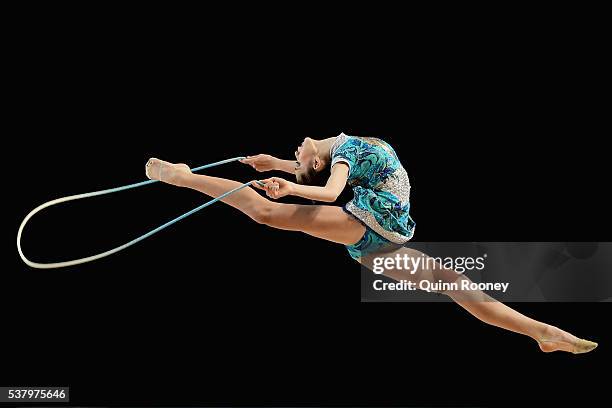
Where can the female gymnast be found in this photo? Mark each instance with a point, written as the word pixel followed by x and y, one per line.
pixel 375 221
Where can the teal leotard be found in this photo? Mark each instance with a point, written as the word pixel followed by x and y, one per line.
pixel 381 193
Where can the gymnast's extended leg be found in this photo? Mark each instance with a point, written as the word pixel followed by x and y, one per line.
pixel 483 306
pixel 322 221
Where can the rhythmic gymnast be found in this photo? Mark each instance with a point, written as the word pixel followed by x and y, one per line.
pixel 375 221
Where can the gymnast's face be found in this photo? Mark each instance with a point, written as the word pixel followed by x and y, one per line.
pixel 307 159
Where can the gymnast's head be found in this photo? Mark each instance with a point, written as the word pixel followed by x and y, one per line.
pixel 311 163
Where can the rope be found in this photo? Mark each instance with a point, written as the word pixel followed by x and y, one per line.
pixel 116 190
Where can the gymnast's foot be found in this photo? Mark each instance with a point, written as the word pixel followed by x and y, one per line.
pixel 555 339
pixel 166 172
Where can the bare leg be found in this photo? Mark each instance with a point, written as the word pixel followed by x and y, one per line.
pixel 487 309
pixel 322 221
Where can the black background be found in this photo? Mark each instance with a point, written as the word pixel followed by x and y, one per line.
pixel 502 141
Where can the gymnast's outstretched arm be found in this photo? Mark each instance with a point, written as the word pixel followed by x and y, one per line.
pixel 265 162
pixel 277 187
pixel 328 193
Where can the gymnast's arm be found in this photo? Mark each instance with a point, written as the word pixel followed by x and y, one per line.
pixel 265 162
pixel 333 188
pixel 288 166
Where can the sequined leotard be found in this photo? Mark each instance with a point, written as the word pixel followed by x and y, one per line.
pixel 381 192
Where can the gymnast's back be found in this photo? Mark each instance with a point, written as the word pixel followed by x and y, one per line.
pixel 371 160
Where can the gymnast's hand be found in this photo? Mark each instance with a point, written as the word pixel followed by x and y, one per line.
pixel 275 187
pixel 261 162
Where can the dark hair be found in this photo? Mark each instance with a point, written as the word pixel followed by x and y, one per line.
pixel 313 177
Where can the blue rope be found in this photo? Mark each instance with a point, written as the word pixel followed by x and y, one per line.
pixel 116 190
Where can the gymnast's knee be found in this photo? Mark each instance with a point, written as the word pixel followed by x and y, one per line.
pixel 262 213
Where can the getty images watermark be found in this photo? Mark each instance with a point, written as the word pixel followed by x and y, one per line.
pixel 510 271
pixel 424 273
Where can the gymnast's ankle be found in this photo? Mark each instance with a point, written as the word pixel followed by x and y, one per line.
pixel 175 174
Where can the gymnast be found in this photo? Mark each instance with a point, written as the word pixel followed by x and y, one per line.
pixel 376 221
